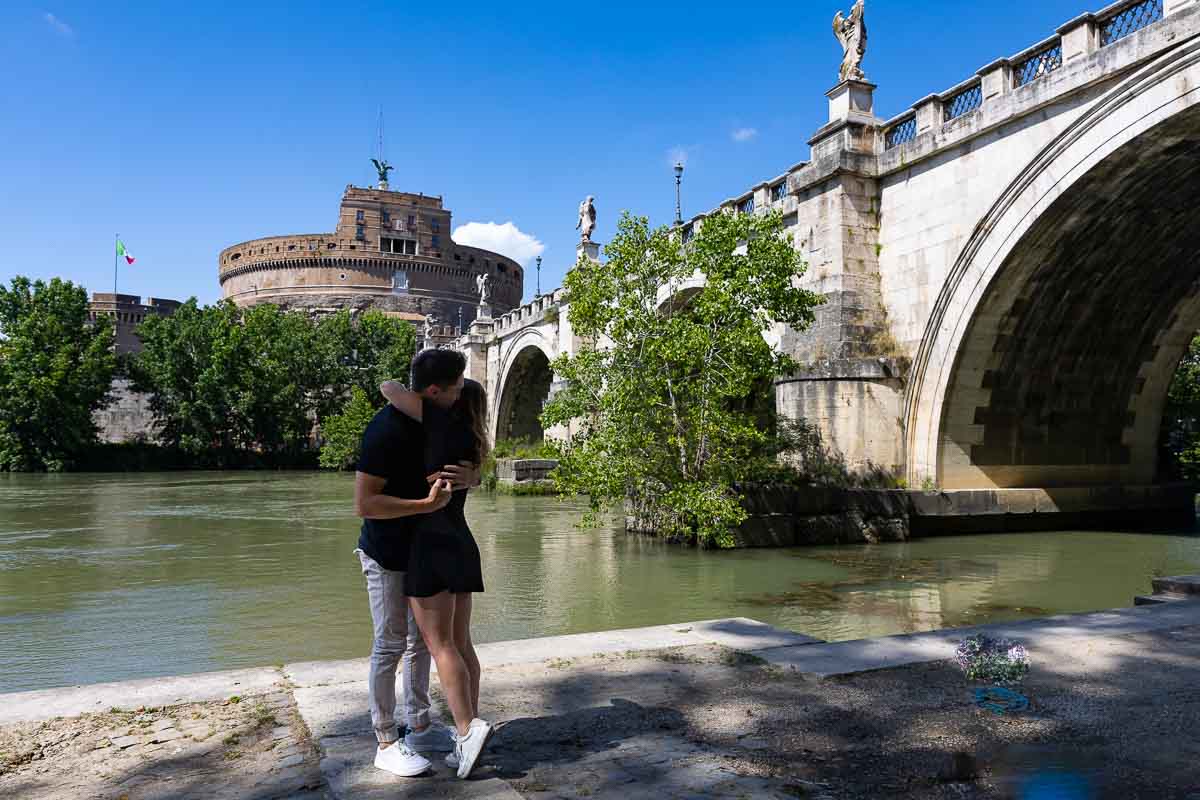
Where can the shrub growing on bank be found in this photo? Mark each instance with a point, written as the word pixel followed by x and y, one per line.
pixel 664 411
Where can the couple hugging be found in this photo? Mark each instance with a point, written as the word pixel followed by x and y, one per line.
pixel 420 455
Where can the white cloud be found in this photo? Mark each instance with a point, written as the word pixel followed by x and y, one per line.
pixel 744 134
pixel 58 26
pixel 506 239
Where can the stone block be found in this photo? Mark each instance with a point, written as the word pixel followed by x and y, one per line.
pixel 809 500
pixel 1179 584
pixel 167 735
pixel 886 529
pixel 776 530
pixel 765 500
pixel 830 529
pixel 878 502
pixel 1018 501
pixel 931 504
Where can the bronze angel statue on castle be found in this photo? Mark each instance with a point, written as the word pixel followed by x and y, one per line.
pixel 383 168
pixel 851 32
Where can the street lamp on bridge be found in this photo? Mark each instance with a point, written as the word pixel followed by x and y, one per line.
pixel 678 179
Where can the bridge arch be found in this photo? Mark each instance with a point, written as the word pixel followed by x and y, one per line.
pixel 1048 354
pixel 523 386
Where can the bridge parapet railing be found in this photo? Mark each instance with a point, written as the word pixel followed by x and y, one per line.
pixel 531 312
pixel 1129 16
pixel 1083 35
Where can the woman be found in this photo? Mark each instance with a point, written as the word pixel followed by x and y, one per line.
pixel 444 565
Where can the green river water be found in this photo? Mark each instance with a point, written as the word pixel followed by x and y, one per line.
pixel 117 576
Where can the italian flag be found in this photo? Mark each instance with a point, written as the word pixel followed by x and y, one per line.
pixel 121 251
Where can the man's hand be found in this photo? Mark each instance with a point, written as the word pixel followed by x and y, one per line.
pixel 371 503
pixel 462 475
pixel 439 495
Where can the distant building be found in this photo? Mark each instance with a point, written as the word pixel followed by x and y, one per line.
pixel 391 251
pixel 128 417
pixel 127 312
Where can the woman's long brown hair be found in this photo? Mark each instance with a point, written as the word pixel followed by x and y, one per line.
pixel 472 402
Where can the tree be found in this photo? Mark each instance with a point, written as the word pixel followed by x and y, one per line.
pixel 280 379
pixel 661 395
pixel 362 355
pixel 56 368
pixel 343 432
pixel 224 380
pixel 190 366
pixel 1181 417
pixel 382 348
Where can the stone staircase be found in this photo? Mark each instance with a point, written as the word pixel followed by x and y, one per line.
pixel 1171 590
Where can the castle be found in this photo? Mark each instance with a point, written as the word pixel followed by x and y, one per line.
pixel 391 251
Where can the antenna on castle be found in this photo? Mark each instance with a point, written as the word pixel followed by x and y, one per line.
pixel 379 154
pixel 382 168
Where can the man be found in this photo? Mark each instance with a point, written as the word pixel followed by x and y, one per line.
pixel 390 486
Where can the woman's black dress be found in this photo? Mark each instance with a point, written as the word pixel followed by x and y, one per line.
pixel 444 556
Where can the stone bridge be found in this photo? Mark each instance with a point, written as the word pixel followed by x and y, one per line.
pixel 1009 267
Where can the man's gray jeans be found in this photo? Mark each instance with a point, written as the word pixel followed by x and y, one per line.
pixel 396 639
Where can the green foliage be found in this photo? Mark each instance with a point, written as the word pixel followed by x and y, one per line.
pixel 225 381
pixel 55 370
pixel 1181 418
pixel 343 432
pixel 523 448
pixel 664 412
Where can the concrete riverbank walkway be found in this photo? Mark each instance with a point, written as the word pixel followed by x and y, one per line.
pixel 724 708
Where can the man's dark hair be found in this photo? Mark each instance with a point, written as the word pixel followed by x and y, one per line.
pixel 434 367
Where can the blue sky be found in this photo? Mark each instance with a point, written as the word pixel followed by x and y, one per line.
pixel 187 128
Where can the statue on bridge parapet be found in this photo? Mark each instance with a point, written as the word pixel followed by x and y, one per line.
pixel 851 32
pixel 587 219
pixel 483 283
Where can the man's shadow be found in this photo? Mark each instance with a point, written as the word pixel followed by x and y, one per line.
pixel 521 744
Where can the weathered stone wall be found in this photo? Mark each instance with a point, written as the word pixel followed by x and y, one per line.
pixel 127 312
pixel 856 404
pixel 128 418
pixel 781 516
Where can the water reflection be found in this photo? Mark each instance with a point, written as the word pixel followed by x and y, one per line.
pixel 104 577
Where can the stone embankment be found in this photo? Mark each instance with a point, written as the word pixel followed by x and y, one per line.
pixel 724 709
pixel 816 515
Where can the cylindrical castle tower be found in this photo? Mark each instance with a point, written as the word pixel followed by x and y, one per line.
pixel 391 251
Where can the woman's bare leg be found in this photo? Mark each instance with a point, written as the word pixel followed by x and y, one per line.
pixel 462 640
pixel 435 618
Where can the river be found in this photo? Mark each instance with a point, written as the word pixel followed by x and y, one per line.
pixel 117 576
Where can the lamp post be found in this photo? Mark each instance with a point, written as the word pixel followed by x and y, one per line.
pixel 678 179
pixel 539 277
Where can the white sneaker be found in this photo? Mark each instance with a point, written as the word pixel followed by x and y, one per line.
pixel 452 757
pixel 434 738
pixel 468 748
pixel 399 760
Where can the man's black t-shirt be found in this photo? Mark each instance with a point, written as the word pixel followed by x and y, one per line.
pixel 393 447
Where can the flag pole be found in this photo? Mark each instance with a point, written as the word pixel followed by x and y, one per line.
pixel 117 239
